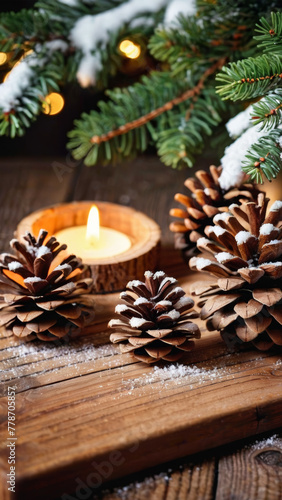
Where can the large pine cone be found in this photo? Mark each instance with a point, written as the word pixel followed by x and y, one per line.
pixel 40 294
pixel 155 319
pixel 245 301
pixel 206 200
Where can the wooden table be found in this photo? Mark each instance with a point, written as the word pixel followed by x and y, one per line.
pixel 63 390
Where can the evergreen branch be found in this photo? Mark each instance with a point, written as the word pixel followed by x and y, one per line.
pixel 125 128
pixel 182 136
pixel 264 157
pixel 268 111
pixel 44 80
pixel 270 33
pixel 250 78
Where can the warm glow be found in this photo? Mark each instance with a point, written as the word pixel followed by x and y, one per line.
pixel 93 226
pixel 6 76
pixel 53 104
pixel 3 58
pixel 130 49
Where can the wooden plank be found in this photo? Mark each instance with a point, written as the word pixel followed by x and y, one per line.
pixel 81 402
pixel 26 186
pixel 94 415
pixel 193 481
pixel 252 473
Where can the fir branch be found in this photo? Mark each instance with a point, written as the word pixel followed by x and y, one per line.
pixel 250 78
pixel 190 93
pixel 263 159
pixel 268 111
pixel 182 136
pixel 270 34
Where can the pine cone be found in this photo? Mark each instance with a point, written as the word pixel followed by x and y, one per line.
pixel 207 200
pixel 245 301
pixel 155 319
pixel 40 294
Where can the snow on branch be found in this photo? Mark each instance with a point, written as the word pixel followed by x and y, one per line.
pixel 91 34
pixel 14 86
pixel 177 7
pixel 232 174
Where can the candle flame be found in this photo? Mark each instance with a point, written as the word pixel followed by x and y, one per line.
pixel 93 226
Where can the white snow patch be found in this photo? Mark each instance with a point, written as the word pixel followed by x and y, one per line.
pixel 232 174
pixel 137 322
pixel 13 266
pixel 277 205
pixel 222 257
pixel 202 263
pixel 91 34
pixel 221 217
pixel 237 125
pixel 242 237
pixel 16 83
pixel 33 279
pixel 218 231
pixel 266 229
pixel 177 7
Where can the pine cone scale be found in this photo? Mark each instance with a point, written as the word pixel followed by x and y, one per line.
pixel 255 313
pixel 155 325
pixel 46 302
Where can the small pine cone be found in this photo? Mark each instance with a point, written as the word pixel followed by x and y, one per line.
pixel 245 301
pixel 41 294
pixel 155 319
pixel 207 200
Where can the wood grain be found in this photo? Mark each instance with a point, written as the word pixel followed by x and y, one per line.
pixel 255 472
pixel 81 401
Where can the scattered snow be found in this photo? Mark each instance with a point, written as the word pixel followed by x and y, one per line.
pixel 29 358
pixel 120 308
pixel 177 373
pixel 232 174
pixel 274 440
pixel 177 7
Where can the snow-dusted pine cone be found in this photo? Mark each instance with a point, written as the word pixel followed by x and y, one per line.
pixel 155 320
pixel 245 300
pixel 206 200
pixel 42 294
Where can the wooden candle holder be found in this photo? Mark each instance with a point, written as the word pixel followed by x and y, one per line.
pixel 110 274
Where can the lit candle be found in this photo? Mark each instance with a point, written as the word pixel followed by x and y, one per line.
pixel 93 242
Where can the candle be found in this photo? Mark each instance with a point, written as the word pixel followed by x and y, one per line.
pixel 93 242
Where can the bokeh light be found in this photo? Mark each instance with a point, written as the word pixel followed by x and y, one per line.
pixel 130 49
pixel 53 104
